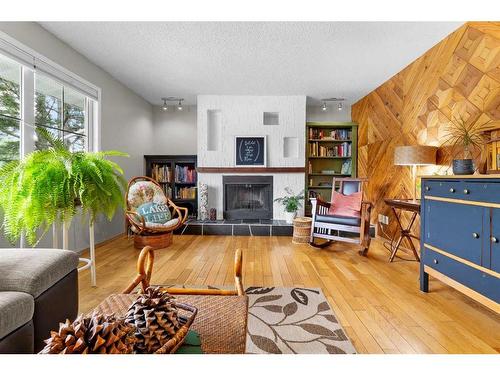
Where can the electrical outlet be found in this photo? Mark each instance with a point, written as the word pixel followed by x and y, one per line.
pixel 383 219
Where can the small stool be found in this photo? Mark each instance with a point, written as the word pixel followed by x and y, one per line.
pixel 301 230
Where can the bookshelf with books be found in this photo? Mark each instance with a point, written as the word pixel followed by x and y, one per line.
pixel 331 151
pixel 177 176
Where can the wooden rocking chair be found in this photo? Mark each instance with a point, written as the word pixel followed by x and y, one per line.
pixel 330 227
pixel 145 269
pixel 145 233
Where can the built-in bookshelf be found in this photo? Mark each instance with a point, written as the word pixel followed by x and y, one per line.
pixel 331 151
pixel 177 176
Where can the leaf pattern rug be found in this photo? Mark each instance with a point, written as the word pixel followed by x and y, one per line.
pixel 293 321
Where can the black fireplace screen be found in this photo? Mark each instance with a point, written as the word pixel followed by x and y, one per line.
pixel 248 197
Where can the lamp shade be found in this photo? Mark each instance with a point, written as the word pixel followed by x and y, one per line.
pixel 415 155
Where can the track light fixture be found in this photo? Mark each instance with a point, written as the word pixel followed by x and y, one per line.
pixel 172 99
pixel 340 106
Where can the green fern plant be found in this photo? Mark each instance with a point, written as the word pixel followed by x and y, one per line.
pixel 48 185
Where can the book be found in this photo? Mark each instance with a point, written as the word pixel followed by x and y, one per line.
pixel 341 150
pixel 337 134
pixel 161 173
pixel 185 174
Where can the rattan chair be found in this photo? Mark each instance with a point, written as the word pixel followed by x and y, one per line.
pixel 333 228
pixel 145 270
pixel 146 233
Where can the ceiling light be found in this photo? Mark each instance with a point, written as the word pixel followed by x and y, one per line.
pixel 179 106
pixel 323 107
pixel 164 107
pixel 340 106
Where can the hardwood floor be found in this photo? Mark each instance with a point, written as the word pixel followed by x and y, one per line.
pixel 378 303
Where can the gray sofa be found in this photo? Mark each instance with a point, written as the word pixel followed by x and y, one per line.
pixel 38 289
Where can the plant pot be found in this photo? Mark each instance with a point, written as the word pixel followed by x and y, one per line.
pixel 289 216
pixel 463 166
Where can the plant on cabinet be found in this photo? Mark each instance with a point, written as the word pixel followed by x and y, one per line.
pixel 469 138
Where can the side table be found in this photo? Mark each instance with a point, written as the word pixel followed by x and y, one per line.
pixel 408 205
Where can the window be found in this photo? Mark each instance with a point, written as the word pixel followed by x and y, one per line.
pixel 10 110
pixel 61 110
pixel 47 96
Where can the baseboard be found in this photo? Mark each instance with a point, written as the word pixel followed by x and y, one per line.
pixel 103 243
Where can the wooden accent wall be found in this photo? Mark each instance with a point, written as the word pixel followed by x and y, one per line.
pixel 458 76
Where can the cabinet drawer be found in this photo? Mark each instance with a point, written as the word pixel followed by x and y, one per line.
pixel 455 228
pixel 488 192
pixel 483 283
pixel 478 191
pixel 443 188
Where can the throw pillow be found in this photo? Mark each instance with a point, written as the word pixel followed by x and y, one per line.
pixel 346 205
pixel 154 212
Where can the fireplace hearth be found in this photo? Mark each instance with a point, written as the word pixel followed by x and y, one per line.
pixel 248 197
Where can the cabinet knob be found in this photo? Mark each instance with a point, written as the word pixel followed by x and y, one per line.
pixel 452 190
pixel 427 188
pixel 494 239
pixel 466 191
pixel 475 235
pixel 435 261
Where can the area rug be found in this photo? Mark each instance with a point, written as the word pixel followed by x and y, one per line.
pixel 293 321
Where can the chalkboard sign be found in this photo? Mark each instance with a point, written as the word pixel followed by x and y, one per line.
pixel 250 151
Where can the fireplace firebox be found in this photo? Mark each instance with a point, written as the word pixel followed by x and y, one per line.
pixel 248 197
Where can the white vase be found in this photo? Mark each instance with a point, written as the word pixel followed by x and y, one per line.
pixel 203 192
pixel 289 216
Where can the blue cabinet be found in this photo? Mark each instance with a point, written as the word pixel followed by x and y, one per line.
pixel 460 232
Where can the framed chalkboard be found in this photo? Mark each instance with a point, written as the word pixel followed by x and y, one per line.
pixel 250 151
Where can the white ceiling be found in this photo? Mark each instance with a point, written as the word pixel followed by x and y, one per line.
pixel 317 59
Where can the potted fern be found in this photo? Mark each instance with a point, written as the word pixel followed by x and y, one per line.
pixel 469 138
pixel 47 185
pixel 291 203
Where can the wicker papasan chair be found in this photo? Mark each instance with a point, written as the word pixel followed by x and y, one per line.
pixel 150 215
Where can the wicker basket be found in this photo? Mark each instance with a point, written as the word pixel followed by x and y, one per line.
pixel 172 345
pixel 301 230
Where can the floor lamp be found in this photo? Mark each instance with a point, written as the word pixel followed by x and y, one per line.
pixel 415 156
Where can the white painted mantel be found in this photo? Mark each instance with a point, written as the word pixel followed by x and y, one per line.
pixel 243 115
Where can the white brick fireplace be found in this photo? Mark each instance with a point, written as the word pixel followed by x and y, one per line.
pixel 280 118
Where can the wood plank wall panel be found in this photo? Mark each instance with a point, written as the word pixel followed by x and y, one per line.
pixel 458 76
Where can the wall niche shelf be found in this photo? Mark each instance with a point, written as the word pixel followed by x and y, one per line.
pixel 271 118
pixel 331 151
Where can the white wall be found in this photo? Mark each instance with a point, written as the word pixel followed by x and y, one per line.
pixel 174 131
pixel 243 115
pixel 315 113
pixel 126 118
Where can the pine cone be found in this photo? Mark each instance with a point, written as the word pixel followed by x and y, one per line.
pixel 154 316
pixel 98 334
